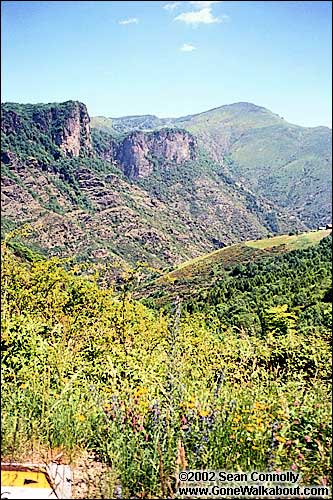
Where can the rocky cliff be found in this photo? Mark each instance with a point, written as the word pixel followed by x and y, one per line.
pixel 60 129
pixel 70 127
pixel 138 152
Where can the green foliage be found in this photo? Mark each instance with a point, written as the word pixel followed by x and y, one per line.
pixel 32 132
pixel 89 368
pixel 261 145
pixel 24 252
pixel 279 321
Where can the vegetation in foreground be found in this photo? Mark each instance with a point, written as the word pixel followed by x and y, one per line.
pixel 151 391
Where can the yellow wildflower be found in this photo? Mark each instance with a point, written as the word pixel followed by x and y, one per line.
pixel 140 391
pixel 280 439
pixel 81 418
pixel 203 413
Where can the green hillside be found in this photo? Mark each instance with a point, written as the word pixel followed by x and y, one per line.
pixel 291 242
pixel 233 118
pixel 191 276
pixel 285 163
pixel 288 164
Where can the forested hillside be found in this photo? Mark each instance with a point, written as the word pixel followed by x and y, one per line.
pixel 195 276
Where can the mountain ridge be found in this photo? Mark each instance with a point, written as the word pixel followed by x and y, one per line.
pixel 182 117
pixel 285 163
pixel 246 104
pixel 158 195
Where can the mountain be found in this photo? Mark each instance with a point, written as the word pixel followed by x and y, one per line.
pixel 221 360
pixel 288 164
pixel 285 163
pixel 139 188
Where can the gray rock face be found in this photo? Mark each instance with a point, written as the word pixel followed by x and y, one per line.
pixel 74 135
pixel 138 152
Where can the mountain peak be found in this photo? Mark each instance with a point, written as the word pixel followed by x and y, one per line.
pixel 246 106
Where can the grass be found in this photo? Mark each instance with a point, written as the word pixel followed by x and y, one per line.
pixel 200 269
pixel 292 242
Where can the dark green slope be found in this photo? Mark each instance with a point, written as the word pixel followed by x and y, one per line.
pixel 197 275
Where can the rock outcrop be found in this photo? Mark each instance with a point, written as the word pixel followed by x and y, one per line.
pixel 74 135
pixel 70 126
pixel 139 151
pixel 66 125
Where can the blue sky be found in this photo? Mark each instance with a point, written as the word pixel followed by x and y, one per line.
pixel 170 58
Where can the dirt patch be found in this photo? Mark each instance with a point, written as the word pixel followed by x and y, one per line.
pixel 93 479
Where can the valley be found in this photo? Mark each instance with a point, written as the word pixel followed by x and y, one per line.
pixel 166 249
